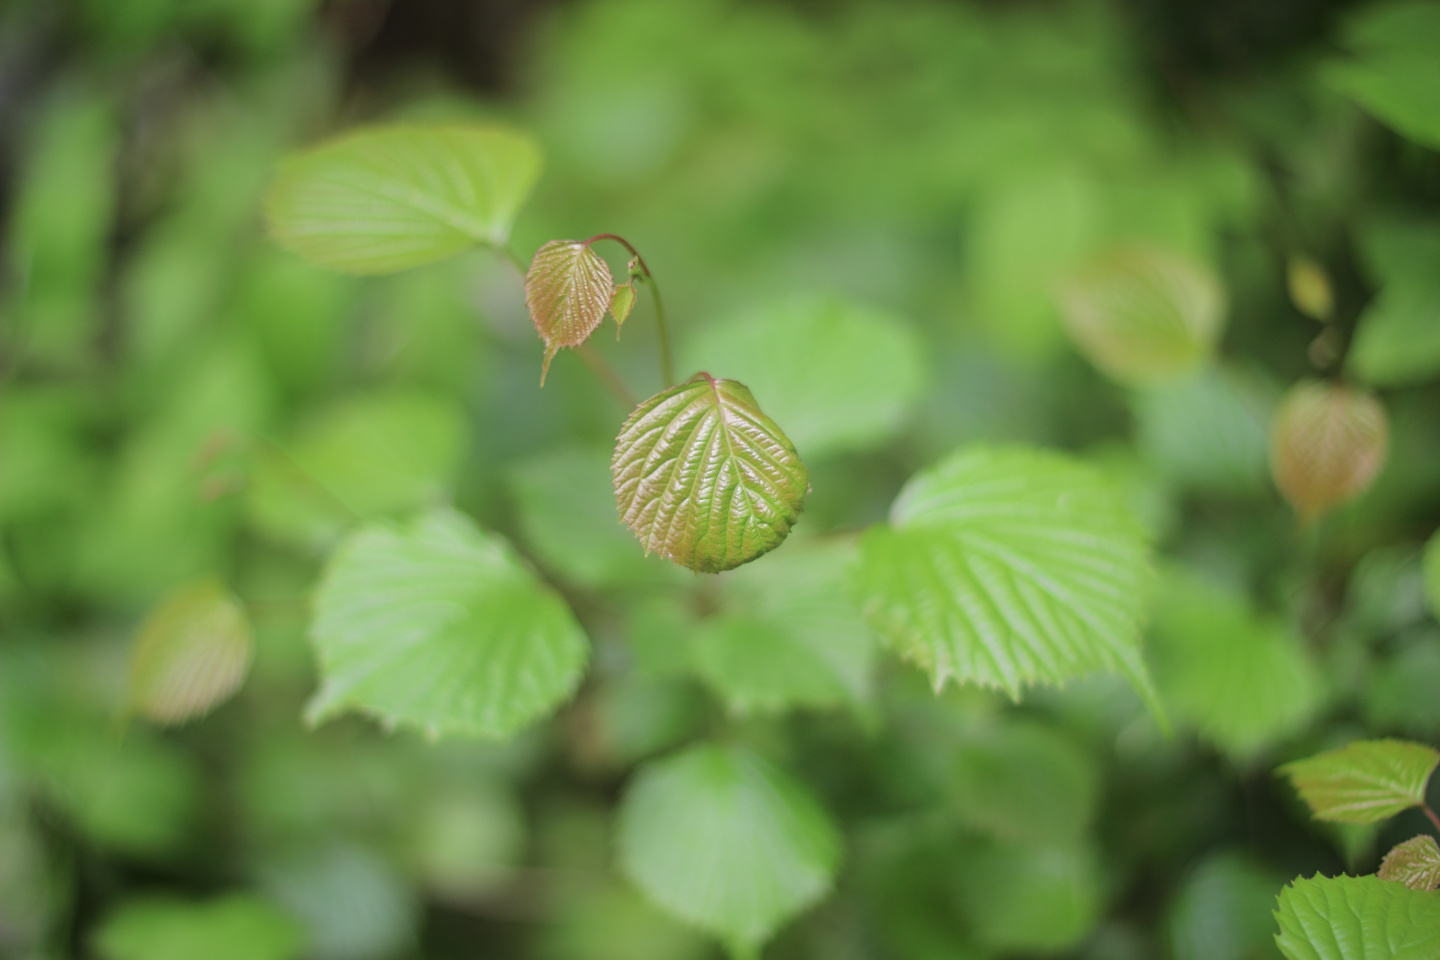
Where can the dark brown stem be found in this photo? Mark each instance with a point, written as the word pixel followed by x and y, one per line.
pixel 667 366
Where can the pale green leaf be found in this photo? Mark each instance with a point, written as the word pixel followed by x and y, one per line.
pixel 192 653
pixel 788 635
pixel 1415 863
pixel 839 376
pixel 1394 73
pixel 1243 681
pixel 1364 782
pixel 1030 897
pixel 1009 566
pixel 438 625
pixel 1222 912
pixel 235 927
pixel 1327 443
pixel 1144 314
pixel 704 478
pixel 388 198
pixel 568 288
pixel 622 301
pixel 1357 918
pixel 722 839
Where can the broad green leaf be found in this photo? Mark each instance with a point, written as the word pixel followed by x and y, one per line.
pixel 704 478
pixel 1030 897
pixel 192 653
pixel 1144 314
pixel 439 626
pixel 1208 432
pixel 354 460
pixel 1364 782
pixel 1006 566
pixel 1221 911
pixel 1243 681
pixel 839 376
pixel 722 839
pixel 1327 443
pixel 1024 780
pixel 383 199
pixel 1357 918
pixel 1397 338
pixel 567 290
pixel 1394 72
pixel 234 927
pixel 1415 863
pixel 788 635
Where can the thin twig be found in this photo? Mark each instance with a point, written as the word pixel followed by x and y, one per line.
pixel 667 364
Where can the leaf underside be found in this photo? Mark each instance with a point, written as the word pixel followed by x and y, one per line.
pixel 1357 918
pixel 568 290
pixel 1415 863
pixel 704 478
pixel 1009 566
pixel 1364 782
pixel 384 199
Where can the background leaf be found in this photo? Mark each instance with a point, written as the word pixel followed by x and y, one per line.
pixel 704 478
pixel 1327 443
pixel 382 199
pixel 1364 782
pixel 1394 73
pixel 235 927
pixel 567 290
pixel 722 839
pixel 192 653
pixel 1005 567
pixel 1357 918
pixel 438 625
pixel 1415 863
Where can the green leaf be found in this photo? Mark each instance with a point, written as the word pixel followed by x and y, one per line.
pixel 1394 73
pixel 383 199
pixel 704 478
pixel 788 635
pixel 1364 782
pixel 1415 863
pixel 235 927
pixel 1242 680
pixel 621 303
pixel 1397 338
pixel 1007 566
pixel 1024 780
pixel 1208 432
pixel 567 290
pixel 357 459
pixel 1030 898
pixel 1222 912
pixel 723 840
pixel 438 625
pixel 1357 918
pixel 1144 314
pixel 839 376
pixel 192 653
pixel 1327 443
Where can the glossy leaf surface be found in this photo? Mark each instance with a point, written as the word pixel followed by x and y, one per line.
pixel 437 625
pixel 192 653
pixel 1415 863
pixel 1364 782
pixel 1005 567
pixel 724 840
pixel 382 199
pixel 568 289
pixel 704 478
pixel 1327 444
pixel 1357 918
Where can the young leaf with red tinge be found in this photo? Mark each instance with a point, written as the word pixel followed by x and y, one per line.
pixel 1327 444
pixel 704 478
pixel 192 653
pixel 568 290
pixel 1415 863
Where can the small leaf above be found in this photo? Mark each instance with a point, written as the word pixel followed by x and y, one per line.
pixel 438 625
pixel 384 199
pixel 1364 782
pixel 1327 443
pixel 1008 566
pixel 192 653
pixel 1357 918
pixel 704 478
pixel 1144 314
pixel 568 289
pixel 1415 863
pixel 724 840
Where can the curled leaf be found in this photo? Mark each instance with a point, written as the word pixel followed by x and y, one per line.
pixel 704 478
pixel 568 289
pixel 1415 863
pixel 621 303
pixel 192 653
pixel 1326 446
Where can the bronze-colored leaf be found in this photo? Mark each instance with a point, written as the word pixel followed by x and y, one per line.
pixel 567 290
pixel 1327 444
pixel 1415 863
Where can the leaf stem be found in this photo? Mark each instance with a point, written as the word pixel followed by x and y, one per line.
pixel 1431 814
pixel 667 364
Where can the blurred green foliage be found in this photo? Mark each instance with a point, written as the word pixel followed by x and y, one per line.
pixel 864 211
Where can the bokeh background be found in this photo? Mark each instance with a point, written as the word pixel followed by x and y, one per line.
pixel 179 399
